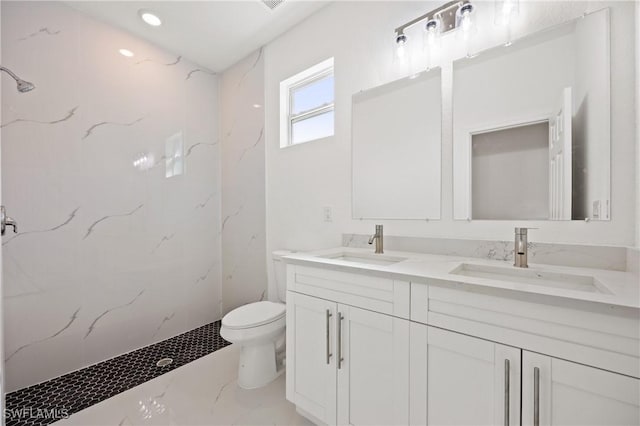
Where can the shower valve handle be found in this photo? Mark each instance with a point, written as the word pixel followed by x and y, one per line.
pixel 6 221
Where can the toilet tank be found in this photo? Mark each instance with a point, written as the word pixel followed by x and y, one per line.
pixel 280 272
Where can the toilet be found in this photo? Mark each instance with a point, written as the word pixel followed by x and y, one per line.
pixel 259 329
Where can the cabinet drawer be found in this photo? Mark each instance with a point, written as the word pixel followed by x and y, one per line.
pixel 378 294
pixel 603 336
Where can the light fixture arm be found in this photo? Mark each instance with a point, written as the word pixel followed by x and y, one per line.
pixel 446 13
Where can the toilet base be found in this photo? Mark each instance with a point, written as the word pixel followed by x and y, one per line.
pixel 258 365
pixel 261 350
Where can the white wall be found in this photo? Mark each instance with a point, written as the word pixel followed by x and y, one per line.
pixel 301 180
pixel 243 190
pixel 109 258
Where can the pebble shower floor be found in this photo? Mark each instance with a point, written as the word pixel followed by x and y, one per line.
pixel 38 404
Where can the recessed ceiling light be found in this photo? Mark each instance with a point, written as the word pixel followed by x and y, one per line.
pixel 126 52
pixel 257 106
pixel 150 18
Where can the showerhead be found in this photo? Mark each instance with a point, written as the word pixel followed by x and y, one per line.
pixel 23 86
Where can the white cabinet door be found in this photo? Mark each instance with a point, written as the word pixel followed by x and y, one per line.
pixel 567 393
pixel 461 380
pixel 373 368
pixel 311 367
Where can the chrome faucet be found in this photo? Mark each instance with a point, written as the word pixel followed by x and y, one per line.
pixel 520 250
pixel 379 237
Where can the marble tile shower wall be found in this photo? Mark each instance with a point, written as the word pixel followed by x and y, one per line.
pixel 110 257
pixel 244 277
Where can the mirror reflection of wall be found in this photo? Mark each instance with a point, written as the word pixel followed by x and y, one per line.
pixel 506 164
pixel 396 149
pixel 532 126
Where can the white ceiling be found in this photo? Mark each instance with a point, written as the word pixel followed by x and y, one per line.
pixel 214 34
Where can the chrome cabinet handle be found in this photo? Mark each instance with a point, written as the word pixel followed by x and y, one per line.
pixel 328 318
pixel 506 391
pixel 536 396
pixel 340 358
pixel 6 221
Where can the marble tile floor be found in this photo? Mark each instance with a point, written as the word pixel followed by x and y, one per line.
pixel 203 392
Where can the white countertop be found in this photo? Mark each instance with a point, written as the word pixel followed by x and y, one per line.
pixel 622 288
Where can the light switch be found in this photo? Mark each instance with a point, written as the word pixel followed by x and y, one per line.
pixel 596 210
pixel 327 213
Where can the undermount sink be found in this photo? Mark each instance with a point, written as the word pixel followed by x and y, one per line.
pixel 532 277
pixel 369 259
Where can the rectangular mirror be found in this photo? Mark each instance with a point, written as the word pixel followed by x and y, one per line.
pixel 396 138
pixel 532 126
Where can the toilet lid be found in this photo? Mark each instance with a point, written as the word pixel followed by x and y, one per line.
pixel 254 314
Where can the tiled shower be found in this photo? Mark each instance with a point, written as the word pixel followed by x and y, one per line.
pixel 114 165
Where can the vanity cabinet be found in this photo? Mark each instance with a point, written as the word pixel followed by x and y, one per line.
pixel 346 365
pixel 461 380
pixel 370 349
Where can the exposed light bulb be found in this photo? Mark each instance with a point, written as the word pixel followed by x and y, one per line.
pixel 466 21
pixel 401 40
pixel 464 18
pixel 506 10
pixel 509 10
pixel 433 32
pixel 432 41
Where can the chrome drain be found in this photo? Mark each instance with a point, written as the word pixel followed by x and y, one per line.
pixel 164 362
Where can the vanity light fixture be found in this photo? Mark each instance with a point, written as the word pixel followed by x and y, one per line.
pixel 150 18
pixel 450 16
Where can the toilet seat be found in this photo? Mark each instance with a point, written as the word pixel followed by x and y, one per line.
pixel 254 315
